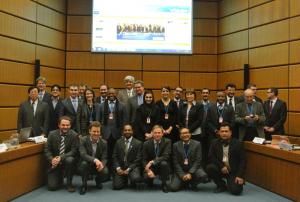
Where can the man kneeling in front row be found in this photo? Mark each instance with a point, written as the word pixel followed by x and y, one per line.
pixel 227 160
pixel 93 157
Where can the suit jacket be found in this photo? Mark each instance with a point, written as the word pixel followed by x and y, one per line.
pixel 86 150
pixel 195 116
pixel 39 122
pixel 257 99
pixel 83 119
pixel 115 126
pixel 134 155
pixel 204 126
pixel 54 114
pixel 194 156
pixel 237 100
pixel 277 117
pixel 163 154
pixel 132 105
pixel 68 110
pixel 123 96
pixel 47 97
pixel 241 111
pixel 181 102
pixel 213 117
pixel 236 155
pixel 99 100
pixel 52 145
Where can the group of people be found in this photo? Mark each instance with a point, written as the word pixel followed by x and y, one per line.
pixel 126 134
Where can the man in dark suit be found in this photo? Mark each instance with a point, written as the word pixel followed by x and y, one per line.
pixel 156 158
pixel 134 102
pixel 218 113
pixel 127 159
pixel 93 157
pixel 41 85
pixel 112 116
pixel 54 107
pixel 60 151
pixel 227 160
pixel 81 88
pixel 250 117
pixel 276 113
pixel 178 96
pixel 103 94
pixel 128 92
pixel 253 87
pixel 34 113
pixel 187 157
pixel 70 105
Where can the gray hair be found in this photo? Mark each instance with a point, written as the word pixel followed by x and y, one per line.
pixel 129 78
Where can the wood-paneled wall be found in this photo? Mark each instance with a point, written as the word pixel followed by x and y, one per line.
pixel 29 30
pixel 266 35
pixel 195 71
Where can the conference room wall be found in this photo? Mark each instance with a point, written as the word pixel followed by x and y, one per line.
pixel 30 30
pixel 194 71
pixel 264 34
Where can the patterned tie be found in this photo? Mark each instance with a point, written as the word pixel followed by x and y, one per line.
pixel 270 107
pixel 126 150
pixel 62 145
pixel 156 149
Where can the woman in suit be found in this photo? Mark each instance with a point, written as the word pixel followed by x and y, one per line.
pixel 190 114
pixel 147 115
pixel 86 112
pixel 168 114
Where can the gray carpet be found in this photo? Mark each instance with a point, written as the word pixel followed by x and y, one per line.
pixel 251 193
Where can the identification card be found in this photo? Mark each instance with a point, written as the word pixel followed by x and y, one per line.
pixel 186 162
pixel 220 119
pixel 166 116
pixel 111 116
pixel 148 120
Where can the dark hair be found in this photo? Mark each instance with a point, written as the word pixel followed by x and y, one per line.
pixel 166 87
pixel 225 124
pixel 274 90
pixel 180 129
pixel 73 85
pixel 104 85
pixel 64 118
pixel 190 90
pixel 148 92
pixel 127 124
pixel 56 86
pixel 206 89
pixel 88 89
pixel 250 85
pixel 230 85
pixel 94 124
pixel 31 88
pixel 139 82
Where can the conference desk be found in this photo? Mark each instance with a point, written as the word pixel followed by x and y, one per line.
pixel 21 170
pixel 274 169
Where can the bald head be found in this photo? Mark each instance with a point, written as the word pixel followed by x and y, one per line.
pixel 249 95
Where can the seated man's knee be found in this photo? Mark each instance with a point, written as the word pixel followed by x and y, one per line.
pixel 69 160
pixel 164 164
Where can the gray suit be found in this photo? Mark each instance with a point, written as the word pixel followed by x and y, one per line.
pixel 123 95
pixel 39 122
pixel 132 105
pixel 241 111
pixel 68 110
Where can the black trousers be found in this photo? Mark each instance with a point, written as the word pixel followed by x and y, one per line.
pixel 217 176
pixel 110 149
pixel 56 175
pixel 120 181
pixel 162 169
pixel 86 168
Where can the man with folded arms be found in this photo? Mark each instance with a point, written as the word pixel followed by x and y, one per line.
pixel 227 160
pixel 60 151
pixel 187 156
pixel 93 157
pixel 127 159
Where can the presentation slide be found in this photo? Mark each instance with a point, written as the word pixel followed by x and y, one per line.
pixel 142 26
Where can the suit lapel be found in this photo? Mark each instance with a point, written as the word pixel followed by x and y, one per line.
pixel 70 105
pixel 89 146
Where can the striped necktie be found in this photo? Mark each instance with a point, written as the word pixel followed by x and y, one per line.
pixel 62 145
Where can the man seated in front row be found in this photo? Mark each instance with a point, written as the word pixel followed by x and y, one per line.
pixel 156 157
pixel 60 151
pixel 127 159
pixel 227 160
pixel 187 158
pixel 93 157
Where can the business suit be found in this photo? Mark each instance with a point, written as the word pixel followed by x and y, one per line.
pixel 52 149
pixel 86 165
pixel 47 97
pixel 54 113
pixel 68 110
pixel 179 102
pixel 100 99
pixel 276 117
pixel 123 95
pixel 237 100
pixel 132 105
pixel 237 164
pixel 242 111
pixel 194 156
pixel 256 99
pixel 84 116
pixel 131 161
pixel 38 121
pixel 161 164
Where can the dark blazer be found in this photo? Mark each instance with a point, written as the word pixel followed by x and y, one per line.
pixel 47 97
pixel 237 100
pixel 68 110
pixel 181 102
pixel 83 118
pixel 149 151
pixel 194 157
pixel 54 114
pixel 172 112
pixel 52 145
pixel 140 124
pixel 86 150
pixel 236 153
pixel 39 122
pixel 132 105
pixel 134 155
pixel 123 96
pixel 213 117
pixel 114 127
pixel 278 116
pixel 99 100
pixel 195 116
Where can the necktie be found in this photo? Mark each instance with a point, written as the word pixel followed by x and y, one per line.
pixel 62 145
pixel 40 96
pixel 32 106
pixel 126 150
pixel 186 149
pixel 230 101
pixel 156 148
pixel 270 107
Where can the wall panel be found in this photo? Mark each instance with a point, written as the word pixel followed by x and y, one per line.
pixel 161 62
pixel 198 80
pixel 233 42
pixel 84 60
pixel 198 63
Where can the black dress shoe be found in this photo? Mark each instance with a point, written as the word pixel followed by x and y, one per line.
pixel 83 190
pixel 99 185
pixel 220 189
pixel 165 189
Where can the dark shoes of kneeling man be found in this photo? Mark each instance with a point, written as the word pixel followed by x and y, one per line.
pixel 83 188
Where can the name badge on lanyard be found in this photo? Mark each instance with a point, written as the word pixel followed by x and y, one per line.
pixel 166 116
pixel 220 119
pixel 186 161
pixel 111 116
pixel 148 121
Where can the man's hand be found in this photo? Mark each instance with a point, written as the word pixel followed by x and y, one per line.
pixel 187 177
pixel 149 164
pixel 256 118
pixel 99 165
pixel 239 180
pixel 150 174
pixel 120 171
pixel 225 170
pixel 55 161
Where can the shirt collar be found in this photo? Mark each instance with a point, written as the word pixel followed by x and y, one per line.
pixel 129 139
pixel 93 142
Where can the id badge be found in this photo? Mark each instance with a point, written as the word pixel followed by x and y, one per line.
pixel 166 116
pixel 186 162
pixel 220 119
pixel 148 120
pixel 186 118
pixel 111 116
